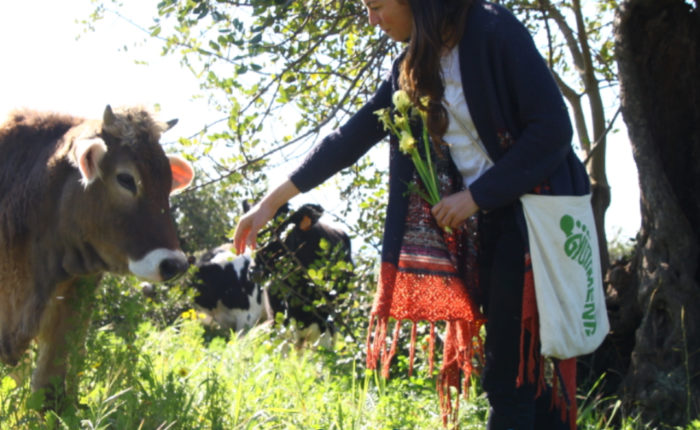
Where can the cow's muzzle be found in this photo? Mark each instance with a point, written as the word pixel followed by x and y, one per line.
pixel 160 265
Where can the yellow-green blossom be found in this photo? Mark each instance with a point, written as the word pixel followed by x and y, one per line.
pixel 423 108
pixel 385 117
pixel 407 143
pixel 401 122
pixel 402 101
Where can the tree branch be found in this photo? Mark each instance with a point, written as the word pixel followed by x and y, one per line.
pixel 599 141
pixel 566 31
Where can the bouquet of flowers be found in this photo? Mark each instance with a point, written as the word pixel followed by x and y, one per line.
pixel 400 125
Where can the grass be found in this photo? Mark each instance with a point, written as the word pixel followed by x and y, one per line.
pixel 176 379
pixel 139 374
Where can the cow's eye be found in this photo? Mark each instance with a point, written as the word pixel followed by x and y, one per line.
pixel 127 181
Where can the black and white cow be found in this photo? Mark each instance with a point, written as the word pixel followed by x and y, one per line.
pixel 237 292
pixel 225 291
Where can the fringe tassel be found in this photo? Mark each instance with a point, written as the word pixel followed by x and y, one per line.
pixel 407 296
pixel 376 340
pixel 530 325
pixel 386 359
pixel 458 352
pixel 456 369
pixel 412 353
pixel 431 354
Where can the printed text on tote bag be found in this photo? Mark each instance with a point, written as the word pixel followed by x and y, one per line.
pixel 578 248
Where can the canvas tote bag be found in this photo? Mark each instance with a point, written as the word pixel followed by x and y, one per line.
pixel 567 274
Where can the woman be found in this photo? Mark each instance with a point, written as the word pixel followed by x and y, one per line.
pixel 496 110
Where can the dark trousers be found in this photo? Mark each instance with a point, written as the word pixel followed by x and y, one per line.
pixel 502 266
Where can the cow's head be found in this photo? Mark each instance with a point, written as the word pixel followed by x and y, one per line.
pixel 306 216
pixel 120 207
pixel 283 247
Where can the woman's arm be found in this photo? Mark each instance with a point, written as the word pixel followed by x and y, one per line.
pixel 347 144
pixel 336 151
pixel 528 94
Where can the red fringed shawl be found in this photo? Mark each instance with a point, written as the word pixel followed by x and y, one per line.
pixel 436 279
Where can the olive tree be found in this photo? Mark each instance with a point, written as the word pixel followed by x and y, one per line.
pixel 658 296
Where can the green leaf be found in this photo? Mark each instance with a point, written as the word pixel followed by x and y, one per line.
pixel 36 400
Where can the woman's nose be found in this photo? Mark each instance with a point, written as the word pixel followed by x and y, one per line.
pixel 373 18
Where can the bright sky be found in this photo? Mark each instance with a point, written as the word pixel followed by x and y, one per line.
pixel 43 66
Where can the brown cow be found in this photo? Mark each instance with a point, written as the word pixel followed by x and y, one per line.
pixel 78 198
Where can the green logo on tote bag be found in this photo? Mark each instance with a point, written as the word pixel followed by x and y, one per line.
pixel 578 248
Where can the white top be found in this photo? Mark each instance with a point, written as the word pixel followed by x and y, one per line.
pixel 466 149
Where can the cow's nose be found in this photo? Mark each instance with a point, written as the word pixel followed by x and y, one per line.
pixel 161 264
pixel 170 268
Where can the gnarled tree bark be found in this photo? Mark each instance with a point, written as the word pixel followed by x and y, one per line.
pixel 658 53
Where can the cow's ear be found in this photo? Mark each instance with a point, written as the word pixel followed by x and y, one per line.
pixel 182 173
pixel 88 154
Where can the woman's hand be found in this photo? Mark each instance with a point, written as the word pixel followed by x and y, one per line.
pixel 249 225
pixel 453 210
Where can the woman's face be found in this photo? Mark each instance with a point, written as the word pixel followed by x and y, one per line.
pixel 394 17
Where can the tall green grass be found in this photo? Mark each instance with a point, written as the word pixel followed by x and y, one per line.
pixel 142 373
pixel 175 378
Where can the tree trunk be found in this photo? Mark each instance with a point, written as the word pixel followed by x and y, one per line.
pixel 658 53
pixel 578 42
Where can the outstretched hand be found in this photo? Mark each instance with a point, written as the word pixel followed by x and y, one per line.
pixel 452 211
pixel 246 233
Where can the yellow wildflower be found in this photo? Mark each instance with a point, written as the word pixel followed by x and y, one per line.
pixel 189 314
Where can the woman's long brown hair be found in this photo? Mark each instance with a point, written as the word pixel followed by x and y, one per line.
pixel 438 26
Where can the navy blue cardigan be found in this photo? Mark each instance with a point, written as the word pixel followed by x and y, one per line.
pixel 516 107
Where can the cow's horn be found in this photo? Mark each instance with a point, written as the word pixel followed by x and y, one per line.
pixel 108 118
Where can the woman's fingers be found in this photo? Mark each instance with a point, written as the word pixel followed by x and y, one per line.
pixel 240 235
pixel 440 213
pixel 453 210
pixel 246 232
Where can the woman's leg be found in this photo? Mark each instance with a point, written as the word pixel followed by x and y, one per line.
pixel 502 254
pixel 502 265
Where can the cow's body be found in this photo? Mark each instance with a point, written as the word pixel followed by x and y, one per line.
pixel 78 198
pixel 226 292
pixel 235 292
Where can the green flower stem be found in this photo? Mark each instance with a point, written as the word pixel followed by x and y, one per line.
pixel 426 177
pixel 433 177
pixel 415 189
